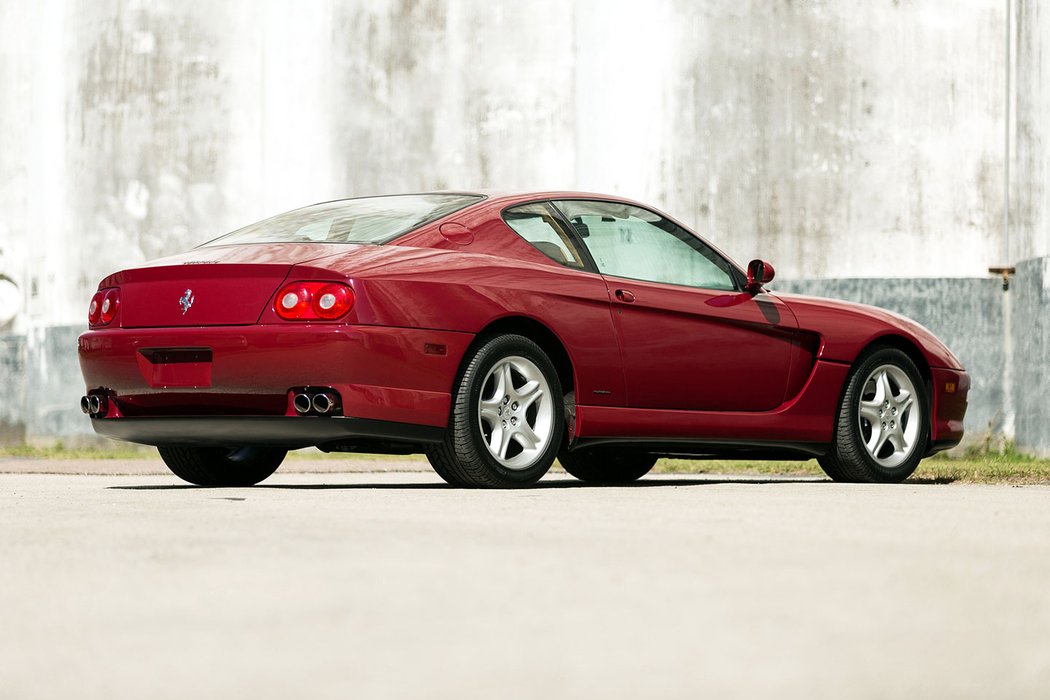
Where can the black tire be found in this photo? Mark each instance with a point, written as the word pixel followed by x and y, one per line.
pixel 443 470
pixel 607 465
pixel 464 457
pixel 848 458
pixel 221 466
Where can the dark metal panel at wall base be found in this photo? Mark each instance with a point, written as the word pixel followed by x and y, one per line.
pixel 292 432
pixel 966 313
pixel 687 448
pixel 1030 347
pixel 14 359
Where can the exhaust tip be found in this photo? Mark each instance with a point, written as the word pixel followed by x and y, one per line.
pixel 302 403
pixel 323 403
pixel 85 404
pixel 95 404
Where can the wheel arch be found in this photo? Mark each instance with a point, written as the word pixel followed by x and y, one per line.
pixel 535 331
pixel 915 354
pixel 465 456
pixel 908 347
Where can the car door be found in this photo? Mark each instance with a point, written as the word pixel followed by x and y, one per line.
pixel 691 338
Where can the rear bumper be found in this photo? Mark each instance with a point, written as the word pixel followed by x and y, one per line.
pixel 291 432
pixel 230 375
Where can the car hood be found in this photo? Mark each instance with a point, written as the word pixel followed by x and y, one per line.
pixel 846 328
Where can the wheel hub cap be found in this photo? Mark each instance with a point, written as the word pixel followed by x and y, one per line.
pixel 889 418
pixel 515 412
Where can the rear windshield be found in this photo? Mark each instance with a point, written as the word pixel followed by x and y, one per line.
pixel 364 220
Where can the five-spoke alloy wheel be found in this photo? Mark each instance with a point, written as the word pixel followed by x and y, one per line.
pixel 888 417
pixel 516 412
pixel 507 417
pixel 882 427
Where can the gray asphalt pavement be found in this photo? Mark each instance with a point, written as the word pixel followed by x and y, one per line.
pixel 393 586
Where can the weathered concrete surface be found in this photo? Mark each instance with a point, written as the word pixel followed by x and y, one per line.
pixel 41 376
pixel 1005 353
pixel 837 139
pixel 391 586
pixel 840 139
pixel 13 388
pixel 966 314
pixel 1030 210
pixel 41 387
pixel 1030 341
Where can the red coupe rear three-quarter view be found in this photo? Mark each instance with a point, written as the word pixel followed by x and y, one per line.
pixel 495 333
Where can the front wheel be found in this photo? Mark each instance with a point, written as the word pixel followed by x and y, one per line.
pixel 507 417
pixel 221 466
pixel 883 426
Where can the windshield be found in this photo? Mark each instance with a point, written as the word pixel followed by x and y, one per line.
pixel 365 220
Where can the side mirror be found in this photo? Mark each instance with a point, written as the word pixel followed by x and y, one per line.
pixel 759 272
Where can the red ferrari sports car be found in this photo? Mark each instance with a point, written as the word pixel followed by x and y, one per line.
pixel 495 333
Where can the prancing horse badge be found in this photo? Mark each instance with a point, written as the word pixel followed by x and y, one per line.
pixel 186 301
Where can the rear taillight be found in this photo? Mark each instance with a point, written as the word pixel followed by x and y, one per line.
pixel 103 307
pixel 95 308
pixel 314 301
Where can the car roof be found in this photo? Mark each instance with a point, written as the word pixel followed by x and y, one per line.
pixel 517 195
pixel 501 195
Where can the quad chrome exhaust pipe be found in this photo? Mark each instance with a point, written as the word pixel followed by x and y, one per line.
pixel 94 405
pixel 321 403
pixel 302 404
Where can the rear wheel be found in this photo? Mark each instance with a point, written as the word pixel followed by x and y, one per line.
pixel 443 469
pixel 507 417
pixel 607 465
pixel 221 466
pixel 883 423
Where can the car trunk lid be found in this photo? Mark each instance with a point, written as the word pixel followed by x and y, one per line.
pixel 224 285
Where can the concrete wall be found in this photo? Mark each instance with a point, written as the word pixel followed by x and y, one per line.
pixel 966 314
pixel 41 387
pixel 1029 344
pixel 839 139
pixel 1031 179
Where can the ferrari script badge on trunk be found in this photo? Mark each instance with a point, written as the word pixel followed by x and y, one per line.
pixel 186 301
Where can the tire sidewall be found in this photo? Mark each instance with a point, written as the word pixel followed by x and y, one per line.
pixel 490 354
pixel 888 356
pixel 213 466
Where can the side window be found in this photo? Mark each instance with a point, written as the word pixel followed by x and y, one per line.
pixel 537 225
pixel 636 243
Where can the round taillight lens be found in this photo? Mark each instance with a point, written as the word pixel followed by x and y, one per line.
pixel 332 301
pixel 293 302
pixel 108 309
pixel 95 308
pixel 314 301
pixel 289 301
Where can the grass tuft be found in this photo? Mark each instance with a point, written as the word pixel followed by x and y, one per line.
pixel 975 466
pixel 60 451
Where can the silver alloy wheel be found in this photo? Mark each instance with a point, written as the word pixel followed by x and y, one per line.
pixel 516 413
pixel 890 419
